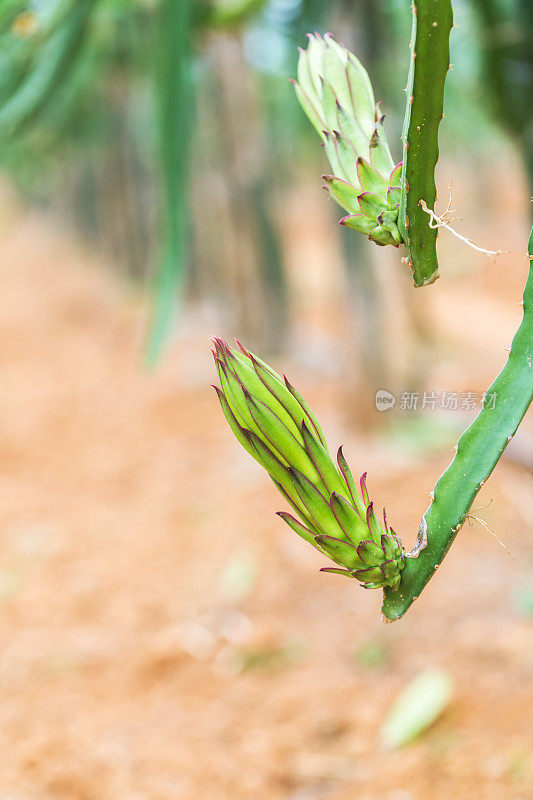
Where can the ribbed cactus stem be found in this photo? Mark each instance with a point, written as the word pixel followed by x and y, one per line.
pixel 478 451
pixel 430 62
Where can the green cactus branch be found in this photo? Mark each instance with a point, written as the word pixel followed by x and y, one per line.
pixel 274 423
pixel 478 451
pixel 430 61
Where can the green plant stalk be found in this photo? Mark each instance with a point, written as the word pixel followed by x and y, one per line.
pixel 430 61
pixel 478 451
pixel 174 97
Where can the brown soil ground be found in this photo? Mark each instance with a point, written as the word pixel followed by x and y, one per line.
pixel 164 636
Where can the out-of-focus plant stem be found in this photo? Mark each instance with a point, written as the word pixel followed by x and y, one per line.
pixel 507 68
pixel 58 54
pixel 174 98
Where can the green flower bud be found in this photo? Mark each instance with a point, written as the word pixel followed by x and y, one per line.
pixel 275 425
pixel 335 92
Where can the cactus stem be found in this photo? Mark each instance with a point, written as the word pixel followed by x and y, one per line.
pixel 477 453
pixel 428 69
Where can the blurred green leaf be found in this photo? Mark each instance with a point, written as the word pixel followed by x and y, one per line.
pixel 175 110
pixel 418 706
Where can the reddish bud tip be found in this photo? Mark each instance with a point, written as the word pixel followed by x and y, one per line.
pixel 369 514
pixel 364 490
pixel 242 348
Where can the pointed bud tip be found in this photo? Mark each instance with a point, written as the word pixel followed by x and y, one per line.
pixel 218 341
pixel 242 348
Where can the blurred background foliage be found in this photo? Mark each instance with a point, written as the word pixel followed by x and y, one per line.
pixel 168 134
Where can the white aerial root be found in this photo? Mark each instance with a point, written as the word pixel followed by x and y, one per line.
pixel 470 517
pixel 443 221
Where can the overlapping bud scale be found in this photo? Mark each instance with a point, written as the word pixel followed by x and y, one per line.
pixel 276 426
pixel 335 92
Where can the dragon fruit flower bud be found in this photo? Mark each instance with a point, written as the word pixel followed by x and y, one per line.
pixel 335 92
pixel 276 426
